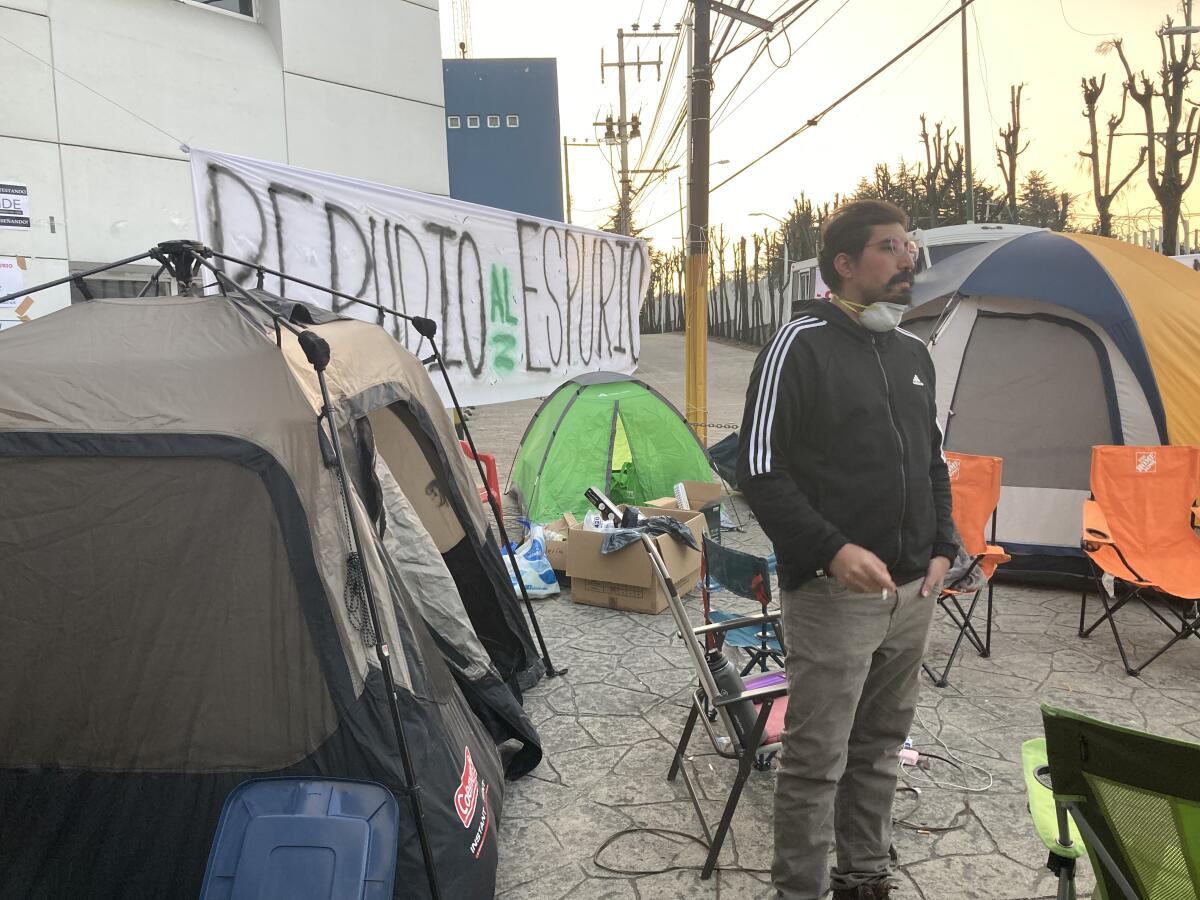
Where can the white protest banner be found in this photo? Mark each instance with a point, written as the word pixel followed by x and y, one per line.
pixel 521 304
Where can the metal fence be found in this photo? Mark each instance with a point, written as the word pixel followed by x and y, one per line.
pixel 747 304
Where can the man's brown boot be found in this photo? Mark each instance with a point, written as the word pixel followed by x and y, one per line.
pixel 880 890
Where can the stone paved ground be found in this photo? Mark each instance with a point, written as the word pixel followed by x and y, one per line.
pixel 610 724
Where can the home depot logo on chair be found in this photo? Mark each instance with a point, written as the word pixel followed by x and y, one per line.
pixel 466 799
pixel 1146 462
pixel 954 465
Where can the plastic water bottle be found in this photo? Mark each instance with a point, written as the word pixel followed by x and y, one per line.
pixel 730 683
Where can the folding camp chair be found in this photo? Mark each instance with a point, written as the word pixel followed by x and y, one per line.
pixel 489 469
pixel 975 488
pixel 1052 821
pixel 1135 799
pixel 304 839
pixel 749 723
pixel 747 576
pixel 1137 528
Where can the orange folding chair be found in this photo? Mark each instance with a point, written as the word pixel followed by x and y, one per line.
pixel 493 478
pixel 975 489
pixel 1137 528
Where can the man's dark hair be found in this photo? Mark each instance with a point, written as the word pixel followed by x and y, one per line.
pixel 848 229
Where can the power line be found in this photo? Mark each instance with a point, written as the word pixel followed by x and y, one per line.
pixel 757 55
pixel 681 115
pixel 728 115
pixel 987 91
pixel 1067 21
pixel 816 120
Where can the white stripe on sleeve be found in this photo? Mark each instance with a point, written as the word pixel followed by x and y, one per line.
pixel 768 392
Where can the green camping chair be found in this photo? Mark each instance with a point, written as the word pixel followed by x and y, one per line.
pixel 1135 799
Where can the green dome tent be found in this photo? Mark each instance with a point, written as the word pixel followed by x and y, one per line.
pixel 604 430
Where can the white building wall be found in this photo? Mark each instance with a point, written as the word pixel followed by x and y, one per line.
pixel 353 88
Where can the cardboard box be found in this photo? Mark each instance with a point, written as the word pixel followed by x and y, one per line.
pixel 556 551
pixel 663 503
pixel 626 579
pixel 699 494
pixel 702 493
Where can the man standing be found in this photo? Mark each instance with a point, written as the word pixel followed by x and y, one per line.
pixel 841 461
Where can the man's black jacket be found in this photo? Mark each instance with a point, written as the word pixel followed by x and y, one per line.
pixel 840 444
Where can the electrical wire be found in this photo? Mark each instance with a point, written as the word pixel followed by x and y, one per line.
pixel 182 144
pixel 987 91
pixel 764 46
pixel 663 832
pixel 796 11
pixel 1067 22
pixel 958 762
pixel 723 118
pixel 815 120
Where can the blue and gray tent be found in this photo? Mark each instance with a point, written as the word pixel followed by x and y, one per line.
pixel 1047 344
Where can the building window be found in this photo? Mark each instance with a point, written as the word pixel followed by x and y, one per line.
pixel 493 121
pixel 453 122
pixel 121 283
pixel 514 121
pixel 472 121
pixel 237 7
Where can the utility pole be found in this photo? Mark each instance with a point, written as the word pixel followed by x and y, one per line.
pixel 695 308
pixel 967 120
pixel 567 178
pixel 695 311
pixel 626 129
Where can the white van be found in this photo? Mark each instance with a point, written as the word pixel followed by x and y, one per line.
pixel 936 244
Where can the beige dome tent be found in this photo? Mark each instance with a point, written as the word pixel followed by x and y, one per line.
pixel 182 597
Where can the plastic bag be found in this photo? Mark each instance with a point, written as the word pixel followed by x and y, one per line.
pixel 535 569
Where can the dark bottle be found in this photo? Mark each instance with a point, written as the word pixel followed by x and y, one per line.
pixel 730 683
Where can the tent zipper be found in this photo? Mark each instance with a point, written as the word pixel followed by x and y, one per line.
pixel 887 390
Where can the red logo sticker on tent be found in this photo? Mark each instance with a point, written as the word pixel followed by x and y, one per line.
pixel 1146 462
pixel 467 796
pixel 953 465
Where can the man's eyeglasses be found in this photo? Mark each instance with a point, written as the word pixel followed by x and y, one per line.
pixel 899 247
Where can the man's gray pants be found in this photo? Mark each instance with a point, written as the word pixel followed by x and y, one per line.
pixel 852 666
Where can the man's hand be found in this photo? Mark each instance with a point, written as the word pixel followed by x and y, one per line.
pixel 861 570
pixel 938 567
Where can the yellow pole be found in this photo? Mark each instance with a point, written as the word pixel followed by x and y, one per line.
pixel 695 348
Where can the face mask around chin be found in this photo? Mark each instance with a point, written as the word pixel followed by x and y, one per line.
pixel 882 316
pixel 879 316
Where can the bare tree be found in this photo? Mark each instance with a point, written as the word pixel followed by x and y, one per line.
pixel 1007 157
pixel 1102 189
pixel 942 168
pixel 1180 141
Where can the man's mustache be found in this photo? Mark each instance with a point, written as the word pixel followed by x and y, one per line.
pixel 902 278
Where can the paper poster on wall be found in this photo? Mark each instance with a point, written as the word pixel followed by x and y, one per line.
pixel 12 278
pixel 14 206
pixel 521 304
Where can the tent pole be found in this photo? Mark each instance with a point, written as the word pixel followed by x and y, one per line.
pixel 316 349
pixel 96 271
pixel 427 328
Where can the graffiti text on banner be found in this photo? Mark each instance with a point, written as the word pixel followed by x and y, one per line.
pixel 521 304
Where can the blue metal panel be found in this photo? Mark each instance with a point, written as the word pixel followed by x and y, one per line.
pixel 517 168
